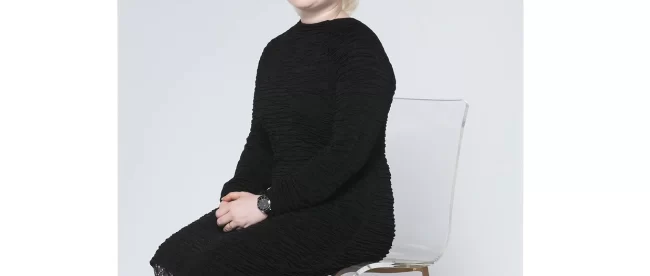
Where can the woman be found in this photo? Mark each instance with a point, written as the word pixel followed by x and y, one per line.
pixel 311 192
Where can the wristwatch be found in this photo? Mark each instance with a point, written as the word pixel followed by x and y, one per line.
pixel 264 203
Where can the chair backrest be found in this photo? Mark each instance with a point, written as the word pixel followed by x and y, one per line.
pixel 423 139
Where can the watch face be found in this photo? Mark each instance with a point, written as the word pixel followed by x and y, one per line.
pixel 263 203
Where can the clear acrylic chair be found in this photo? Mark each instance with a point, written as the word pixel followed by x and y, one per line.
pixel 423 139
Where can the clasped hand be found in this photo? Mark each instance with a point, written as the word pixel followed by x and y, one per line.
pixel 238 210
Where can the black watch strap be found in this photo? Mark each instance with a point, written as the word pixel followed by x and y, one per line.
pixel 268 192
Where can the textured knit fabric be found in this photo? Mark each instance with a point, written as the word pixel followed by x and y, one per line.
pixel 322 96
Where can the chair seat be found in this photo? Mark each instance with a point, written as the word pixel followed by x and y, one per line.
pixel 400 256
pixel 411 254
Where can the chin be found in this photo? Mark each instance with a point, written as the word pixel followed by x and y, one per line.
pixel 307 4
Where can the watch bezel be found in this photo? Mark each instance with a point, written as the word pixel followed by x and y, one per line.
pixel 260 204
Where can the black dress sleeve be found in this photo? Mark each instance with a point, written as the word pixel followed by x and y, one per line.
pixel 253 171
pixel 363 96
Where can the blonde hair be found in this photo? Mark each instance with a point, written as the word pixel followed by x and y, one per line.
pixel 350 5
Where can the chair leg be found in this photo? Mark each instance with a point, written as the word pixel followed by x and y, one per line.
pixel 425 271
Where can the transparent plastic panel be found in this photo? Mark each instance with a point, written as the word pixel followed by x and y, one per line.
pixel 422 147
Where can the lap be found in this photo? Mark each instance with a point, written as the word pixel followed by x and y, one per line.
pixel 282 245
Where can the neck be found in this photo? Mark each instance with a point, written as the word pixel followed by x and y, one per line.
pixel 332 12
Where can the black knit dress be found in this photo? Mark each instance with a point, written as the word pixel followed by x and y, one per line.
pixel 322 97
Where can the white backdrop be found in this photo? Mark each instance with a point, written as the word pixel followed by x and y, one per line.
pixel 186 72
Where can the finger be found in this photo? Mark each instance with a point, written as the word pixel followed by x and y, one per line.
pixel 232 196
pixel 226 199
pixel 229 197
pixel 224 203
pixel 230 226
pixel 224 220
pixel 222 210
